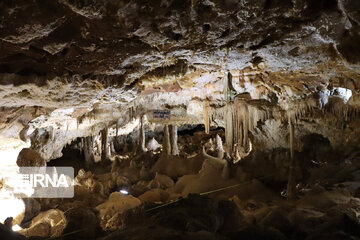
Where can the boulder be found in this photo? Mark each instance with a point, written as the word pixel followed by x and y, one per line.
pixel 155 196
pixel 47 224
pixel 117 203
pixel 30 158
pixel 81 223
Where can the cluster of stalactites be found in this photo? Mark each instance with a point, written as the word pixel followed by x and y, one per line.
pixel 310 107
pixel 257 115
pixel 240 118
pixel 132 113
pixel 98 145
pixel 343 111
pixel 303 108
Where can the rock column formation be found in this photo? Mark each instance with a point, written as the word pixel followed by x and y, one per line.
pixel 291 187
pixel 236 124
pixel 88 147
pixel 142 147
pixel 166 141
pixel 174 137
pixel 104 144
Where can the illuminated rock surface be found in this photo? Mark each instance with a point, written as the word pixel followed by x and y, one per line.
pixel 247 102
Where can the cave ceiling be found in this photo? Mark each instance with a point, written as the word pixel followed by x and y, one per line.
pixel 101 57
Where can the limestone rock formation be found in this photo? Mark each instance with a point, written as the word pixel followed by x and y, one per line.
pixel 256 104
pixel 47 224
pixel 117 203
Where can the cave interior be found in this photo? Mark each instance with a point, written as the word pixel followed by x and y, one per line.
pixel 182 119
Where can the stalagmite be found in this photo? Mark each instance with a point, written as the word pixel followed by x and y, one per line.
pixel 174 137
pixel 142 147
pixel 207 116
pixel 112 148
pixel 219 147
pixel 88 151
pixel 166 141
pixel 213 160
pixel 97 145
pixel 218 162
pixel 241 152
pixel 104 144
pixel 291 181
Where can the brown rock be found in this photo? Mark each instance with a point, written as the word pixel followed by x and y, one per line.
pixel 30 158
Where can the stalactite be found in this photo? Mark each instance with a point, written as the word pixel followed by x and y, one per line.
pixel 291 188
pixel 104 144
pixel 301 108
pixel 226 89
pixel 166 141
pixel 240 118
pixel 174 137
pixel 240 123
pixel 81 145
pixel 256 114
pixel 88 147
pixel 67 127
pixel 142 147
pixel 207 116
pixel 229 126
pixel 307 107
pixel 132 113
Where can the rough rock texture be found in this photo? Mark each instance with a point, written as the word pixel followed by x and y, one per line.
pixel 81 223
pixel 30 158
pixel 117 203
pixel 94 55
pixel 260 73
pixel 47 224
